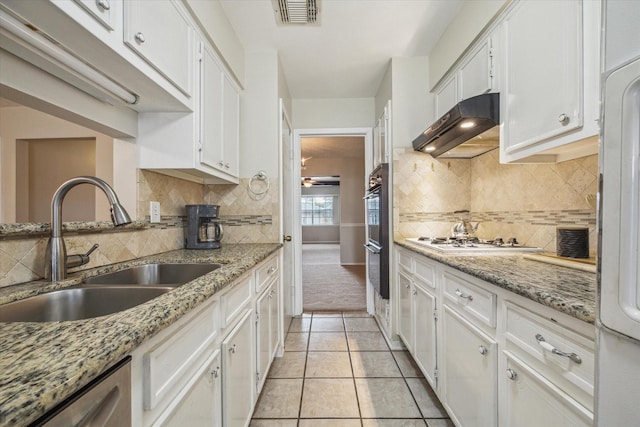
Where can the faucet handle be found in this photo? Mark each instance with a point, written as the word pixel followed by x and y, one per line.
pixel 80 259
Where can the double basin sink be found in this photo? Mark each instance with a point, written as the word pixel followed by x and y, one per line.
pixel 105 294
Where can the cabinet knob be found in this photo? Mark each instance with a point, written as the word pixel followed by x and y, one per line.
pixel 227 165
pixel 221 163
pixel 271 270
pixel 511 374
pixel 103 4
pixel 563 119
pixel 483 350
pixel 414 292
pixel 407 286
pixel 139 37
pixel 214 373
pixel 286 238
pixel 232 349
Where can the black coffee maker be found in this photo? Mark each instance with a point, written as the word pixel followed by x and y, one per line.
pixel 203 231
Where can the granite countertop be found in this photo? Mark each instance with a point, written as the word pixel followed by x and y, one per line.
pixel 569 291
pixel 43 363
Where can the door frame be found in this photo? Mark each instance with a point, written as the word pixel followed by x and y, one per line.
pixel 296 176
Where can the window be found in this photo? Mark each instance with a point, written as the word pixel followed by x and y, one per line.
pixel 318 210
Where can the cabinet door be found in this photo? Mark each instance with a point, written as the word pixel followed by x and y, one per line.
pixel 200 402
pixel 274 320
pixel 230 127
pixel 238 373
pixel 405 327
pixel 171 52
pixel 211 78
pixel 475 77
pixel 263 335
pixel 531 400
pixel 543 72
pixel 446 96
pixel 424 305
pixel 468 372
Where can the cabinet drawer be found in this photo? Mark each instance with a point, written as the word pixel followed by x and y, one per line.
pixel 405 260
pixel 266 272
pixel 532 401
pixel 425 271
pixel 232 302
pixel 168 366
pixel 471 299
pixel 532 338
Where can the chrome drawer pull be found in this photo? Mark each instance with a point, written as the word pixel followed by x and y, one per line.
pixel 483 350
pixel 461 295
pixel 511 374
pixel 554 350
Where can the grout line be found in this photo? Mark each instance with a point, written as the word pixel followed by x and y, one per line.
pixel 353 376
pixel 304 371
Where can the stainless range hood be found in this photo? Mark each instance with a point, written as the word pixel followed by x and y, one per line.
pixel 466 131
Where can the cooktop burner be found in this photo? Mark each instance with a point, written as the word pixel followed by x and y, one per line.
pixel 472 245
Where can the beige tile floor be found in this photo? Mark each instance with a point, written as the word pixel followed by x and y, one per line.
pixel 338 371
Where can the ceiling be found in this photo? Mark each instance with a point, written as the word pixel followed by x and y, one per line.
pixel 346 55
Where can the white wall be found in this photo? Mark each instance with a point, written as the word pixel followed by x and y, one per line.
pixel 474 16
pixel 412 104
pixel 18 123
pixel 333 113
pixel 352 215
pixel 259 121
pixel 384 93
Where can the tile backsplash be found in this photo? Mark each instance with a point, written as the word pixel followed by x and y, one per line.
pixel 527 201
pixel 247 219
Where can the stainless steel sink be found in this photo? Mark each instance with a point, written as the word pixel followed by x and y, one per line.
pixel 154 274
pixel 78 303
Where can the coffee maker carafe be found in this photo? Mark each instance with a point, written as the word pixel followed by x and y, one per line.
pixel 203 231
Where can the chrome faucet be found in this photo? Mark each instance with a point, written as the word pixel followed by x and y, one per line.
pixel 56 256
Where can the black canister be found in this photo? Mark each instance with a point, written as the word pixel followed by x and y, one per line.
pixel 572 242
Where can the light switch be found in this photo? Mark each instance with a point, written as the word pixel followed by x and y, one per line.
pixel 154 211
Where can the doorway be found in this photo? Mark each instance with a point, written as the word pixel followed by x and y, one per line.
pixel 332 267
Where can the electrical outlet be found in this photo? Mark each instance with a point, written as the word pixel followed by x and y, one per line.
pixel 154 211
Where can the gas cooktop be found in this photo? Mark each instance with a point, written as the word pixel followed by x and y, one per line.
pixel 472 245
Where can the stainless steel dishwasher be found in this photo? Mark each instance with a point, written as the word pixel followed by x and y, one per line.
pixel 105 402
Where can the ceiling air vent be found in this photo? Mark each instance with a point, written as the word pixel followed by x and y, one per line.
pixel 296 11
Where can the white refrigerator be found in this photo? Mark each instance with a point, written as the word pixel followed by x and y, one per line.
pixel 618 323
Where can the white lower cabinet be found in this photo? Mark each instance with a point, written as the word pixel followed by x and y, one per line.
pixel 494 358
pixel 417 314
pixel 203 369
pixel 238 372
pixel 469 368
pixel 405 323
pixel 531 400
pixel 424 325
pixel 200 402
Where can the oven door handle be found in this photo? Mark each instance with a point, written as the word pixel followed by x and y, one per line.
pixel 373 249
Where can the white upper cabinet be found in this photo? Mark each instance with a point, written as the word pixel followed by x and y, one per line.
pixel 202 146
pixel 476 73
pixel 446 95
pixel 381 137
pixel 550 92
pixel 160 32
pixel 473 75
pixel 220 111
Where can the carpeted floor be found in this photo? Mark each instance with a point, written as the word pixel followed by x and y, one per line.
pixel 327 285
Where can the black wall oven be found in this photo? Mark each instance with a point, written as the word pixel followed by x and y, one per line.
pixel 377 207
